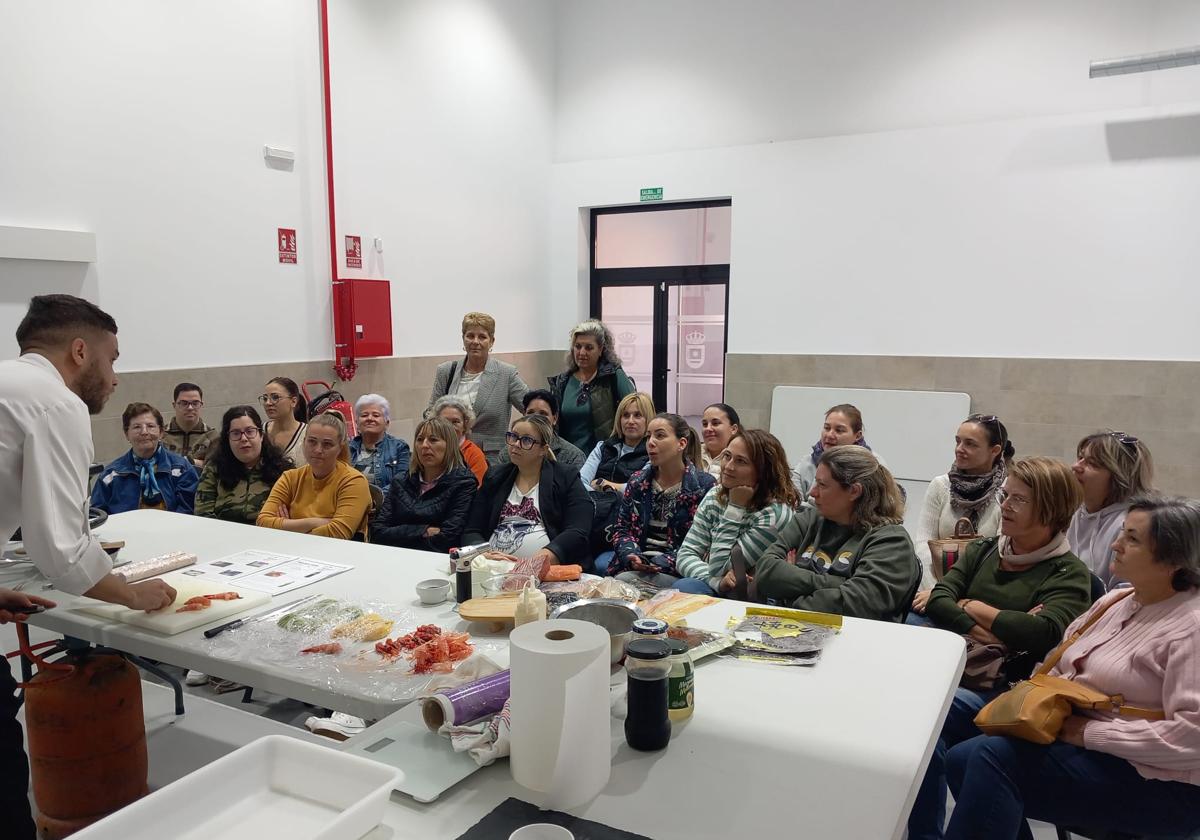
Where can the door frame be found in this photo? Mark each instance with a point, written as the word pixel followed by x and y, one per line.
pixel 661 278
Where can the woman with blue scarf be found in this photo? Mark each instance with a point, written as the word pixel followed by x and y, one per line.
pixel 148 475
pixel 843 427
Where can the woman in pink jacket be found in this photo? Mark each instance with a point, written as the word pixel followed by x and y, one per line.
pixel 1123 773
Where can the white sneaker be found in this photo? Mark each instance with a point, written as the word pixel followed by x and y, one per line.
pixel 195 678
pixel 339 726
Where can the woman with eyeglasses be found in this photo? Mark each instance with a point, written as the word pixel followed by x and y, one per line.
pixel 531 507
pixel 458 413
pixel 148 475
pixel 286 415
pixel 982 453
pixel 591 387
pixel 426 507
pixel 1111 467
pixel 1016 592
pixel 843 426
pixel 326 496
pixel 1134 771
pixel 659 505
pixel 242 469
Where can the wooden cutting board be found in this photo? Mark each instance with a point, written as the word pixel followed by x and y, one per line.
pixel 498 609
pixel 167 621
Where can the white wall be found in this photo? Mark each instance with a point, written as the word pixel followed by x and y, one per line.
pixel 144 122
pixel 443 131
pixel 955 223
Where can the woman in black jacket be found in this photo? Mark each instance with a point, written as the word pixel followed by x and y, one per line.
pixel 532 508
pixel 426 508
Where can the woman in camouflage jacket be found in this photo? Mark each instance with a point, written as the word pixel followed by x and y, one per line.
pixel 243 468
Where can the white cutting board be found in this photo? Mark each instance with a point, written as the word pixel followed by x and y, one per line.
pixel 167 621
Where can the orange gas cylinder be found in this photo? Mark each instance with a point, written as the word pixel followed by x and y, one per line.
pixel 87 741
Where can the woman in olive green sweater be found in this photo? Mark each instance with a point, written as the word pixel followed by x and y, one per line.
pixel 1019 590
pixel 853 555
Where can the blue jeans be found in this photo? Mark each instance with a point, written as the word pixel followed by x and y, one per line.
pixel 917 620
pixel 928 813
pixel 600 564
pixel 694 586
pixel 998 782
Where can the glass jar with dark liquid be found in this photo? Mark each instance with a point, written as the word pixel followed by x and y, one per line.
pixel 647 666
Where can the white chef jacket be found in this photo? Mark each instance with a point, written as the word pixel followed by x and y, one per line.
pixel 45 452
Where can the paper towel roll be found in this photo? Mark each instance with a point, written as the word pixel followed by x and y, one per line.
pixel 561 730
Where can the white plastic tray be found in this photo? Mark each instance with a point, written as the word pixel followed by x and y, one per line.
pixel 274 787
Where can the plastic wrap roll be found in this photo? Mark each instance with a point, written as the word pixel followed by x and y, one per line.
pixel 467 702
pixel 561 729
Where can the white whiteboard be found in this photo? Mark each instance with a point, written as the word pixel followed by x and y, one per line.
pixel 912 430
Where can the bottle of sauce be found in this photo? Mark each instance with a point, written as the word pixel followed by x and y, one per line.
pixel 647 666
pixel 681 682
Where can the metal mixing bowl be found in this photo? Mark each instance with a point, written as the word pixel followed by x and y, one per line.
pixel 615 616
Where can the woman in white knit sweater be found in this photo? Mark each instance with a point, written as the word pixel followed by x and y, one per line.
pixel 982 451
pixel 1112 467
pixel 753 499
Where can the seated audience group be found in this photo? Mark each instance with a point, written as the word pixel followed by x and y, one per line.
pixel 592 474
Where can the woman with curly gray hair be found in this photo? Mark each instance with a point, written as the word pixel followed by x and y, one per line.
pixel 461 415
pixel 589 390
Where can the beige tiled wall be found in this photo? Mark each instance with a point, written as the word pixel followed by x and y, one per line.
pixel 406 382
pixel 1047 404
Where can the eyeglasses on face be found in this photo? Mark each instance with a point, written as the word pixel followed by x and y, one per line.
pixel 138 428
pixel 270 399
pixel 1014 503
pixel 244 434
pixel 189 403
pixel 523 441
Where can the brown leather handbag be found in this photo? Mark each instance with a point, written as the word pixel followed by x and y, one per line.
pixel 1034 709
pixel 944 553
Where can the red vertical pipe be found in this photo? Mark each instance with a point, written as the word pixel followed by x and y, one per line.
pixel 343 290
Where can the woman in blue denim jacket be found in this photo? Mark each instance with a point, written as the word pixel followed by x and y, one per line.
pixel 373 452
pixel 659 504
pixel 148 475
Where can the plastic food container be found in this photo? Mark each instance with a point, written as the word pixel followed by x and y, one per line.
pixel 274 787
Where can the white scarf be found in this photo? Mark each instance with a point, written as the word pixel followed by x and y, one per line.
pixel 1057 546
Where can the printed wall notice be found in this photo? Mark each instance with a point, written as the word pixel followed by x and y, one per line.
pixel 287 245
pixel 353 252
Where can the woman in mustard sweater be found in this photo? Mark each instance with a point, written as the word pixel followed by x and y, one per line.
pixel 327 496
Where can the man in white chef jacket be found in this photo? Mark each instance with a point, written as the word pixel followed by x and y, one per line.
pixel 65 371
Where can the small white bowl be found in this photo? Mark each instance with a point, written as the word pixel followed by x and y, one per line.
pixel 433 591
pixel 541 831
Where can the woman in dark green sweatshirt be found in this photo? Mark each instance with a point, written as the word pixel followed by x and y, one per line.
pixel 853 556
pixel 1019 590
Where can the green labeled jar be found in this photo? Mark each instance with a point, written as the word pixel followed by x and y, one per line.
pixel 681 682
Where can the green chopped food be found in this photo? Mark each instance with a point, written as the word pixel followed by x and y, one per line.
pixel 319 615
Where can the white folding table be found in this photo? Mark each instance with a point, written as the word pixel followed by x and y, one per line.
pixel 831 751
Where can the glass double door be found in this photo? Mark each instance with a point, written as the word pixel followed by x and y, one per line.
pixel 670 336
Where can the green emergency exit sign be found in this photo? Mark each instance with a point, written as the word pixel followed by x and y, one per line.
pixel 651 193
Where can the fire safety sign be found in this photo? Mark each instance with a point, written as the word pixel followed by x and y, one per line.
pixel 353 252
pixel 287 245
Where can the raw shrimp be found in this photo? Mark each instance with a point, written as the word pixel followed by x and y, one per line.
pixel 331 647
pixel 224 596
pixel 200 602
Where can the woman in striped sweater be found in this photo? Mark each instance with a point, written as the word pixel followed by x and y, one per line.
pixel 1130 774
pixel 754 499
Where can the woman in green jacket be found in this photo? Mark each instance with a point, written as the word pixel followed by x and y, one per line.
pixel 853 556
pixel 1019 591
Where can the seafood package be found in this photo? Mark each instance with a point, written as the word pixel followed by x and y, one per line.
pixel 781 636
pixel 377 650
